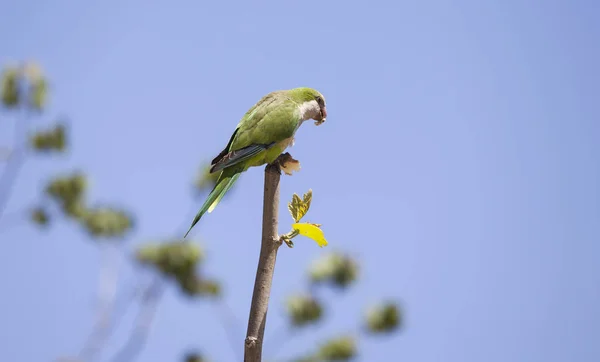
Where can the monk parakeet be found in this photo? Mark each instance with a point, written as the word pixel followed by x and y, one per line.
pixel 264 132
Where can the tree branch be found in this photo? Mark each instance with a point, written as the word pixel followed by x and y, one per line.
pixel 138 337
pixel 107 288
pixel 15 161
pixel 5 153
pixel 228 321
pixel 266 266
pixel 13 219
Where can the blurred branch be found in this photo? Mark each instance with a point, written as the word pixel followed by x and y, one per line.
pixel 286 331
pixel 12 219
pixel 107 290
pixel 229 322
pixel 266 266
pixel 5 153
pixel 15 160
pixel 283 334
pixel 138 337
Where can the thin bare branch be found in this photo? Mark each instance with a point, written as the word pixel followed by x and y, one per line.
pixel 107 291
pixel 13 219
pixel 14 161
pixel 138 337
pixel 284 334
pixel 229 323
pixel 266 266
pixel 5 153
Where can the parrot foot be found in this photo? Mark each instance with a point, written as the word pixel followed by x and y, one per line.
pixel 287 163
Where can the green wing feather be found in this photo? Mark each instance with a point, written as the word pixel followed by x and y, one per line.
pixel 224 183
pixel 272 119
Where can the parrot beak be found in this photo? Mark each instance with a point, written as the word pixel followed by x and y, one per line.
pixel 323 117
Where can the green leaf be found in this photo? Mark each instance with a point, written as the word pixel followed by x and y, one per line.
pixel 298 207
pixel 312 231
pixel 307 198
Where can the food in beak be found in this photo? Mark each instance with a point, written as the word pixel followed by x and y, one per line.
pixel 323 117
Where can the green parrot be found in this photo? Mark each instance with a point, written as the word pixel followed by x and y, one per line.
pixel 264 132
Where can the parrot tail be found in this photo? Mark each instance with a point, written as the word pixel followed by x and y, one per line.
pixel 223 185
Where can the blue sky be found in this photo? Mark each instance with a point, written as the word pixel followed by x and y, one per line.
pixel 459 163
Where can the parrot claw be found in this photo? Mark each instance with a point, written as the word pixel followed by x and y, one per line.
pixel 287 164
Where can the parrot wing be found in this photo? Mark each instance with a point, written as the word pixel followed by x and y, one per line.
pixel 272 119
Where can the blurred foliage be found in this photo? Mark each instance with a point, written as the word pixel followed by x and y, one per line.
pixel 68 192
pixel 179 260
pixel 106 222
pixel 40 216
pixel 308 359
pixel 53 139
pixel 304 309
pixel 334 268
pixel 172 257
pixel 11 77
pixel 38 86
pixel 338 349
pixel 195 357
pixel 206 181
pixel 25 86
pixel 384 318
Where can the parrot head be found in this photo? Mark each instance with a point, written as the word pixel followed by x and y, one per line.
pixel 312 104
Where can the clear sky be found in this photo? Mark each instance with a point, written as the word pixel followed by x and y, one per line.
pixel 460 163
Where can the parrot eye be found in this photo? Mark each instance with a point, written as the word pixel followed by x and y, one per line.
pixel 320 101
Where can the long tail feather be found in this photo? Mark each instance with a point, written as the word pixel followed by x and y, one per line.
pixel 223 185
